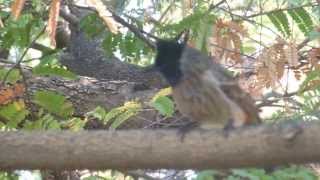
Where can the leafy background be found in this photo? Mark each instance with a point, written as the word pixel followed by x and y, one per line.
pixel 277 42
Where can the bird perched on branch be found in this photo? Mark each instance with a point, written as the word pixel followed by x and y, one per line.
pixel 202 89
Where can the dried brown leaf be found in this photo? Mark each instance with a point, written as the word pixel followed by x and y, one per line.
pixel 105 15
pixel 53 20
pixel 1 24
pixel 226 41
pixel 16 8
pixel 314 56
pixel 291 53
pixel 273 63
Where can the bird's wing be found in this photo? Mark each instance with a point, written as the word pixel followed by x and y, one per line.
pixel 231 88
pixel 217 80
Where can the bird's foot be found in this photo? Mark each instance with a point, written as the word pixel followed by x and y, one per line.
pixel 227 128
pixel 187 127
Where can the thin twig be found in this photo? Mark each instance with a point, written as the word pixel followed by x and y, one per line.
pixel 249 20
pixel 163 15
pixel 266 102
pixel 133 29
pixel 248 7
pixel 213 6
pixel 17 65
pixel 233 51
pixel 136 31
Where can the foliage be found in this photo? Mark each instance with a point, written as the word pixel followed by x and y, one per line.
pixel 19 33
pixel 118 115
pixel 130 47
pixel 10 77
pixel 301 17
pixel 14 113
pixel 303 20
pixel 266 39
pixel 8 176
pixel 280 21
pixel 162 103
pixel 288 173
pixel 45 122
pixel 54 103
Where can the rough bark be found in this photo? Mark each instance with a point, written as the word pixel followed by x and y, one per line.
pixel 87 93
pixel 266 145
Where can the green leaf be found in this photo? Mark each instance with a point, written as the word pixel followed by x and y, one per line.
pixel 192 22
pixel 95 178
pixel 9 176
pixel 92 25
pixel 205 30
pixel 74 124
pixel 129 109
pixel 311 76
pixel 49 58
pixel 244 173
pixel 121 118
pixel 54 103
pixel 280 21
pixel 12 77
pixel 206 175
pixel 164 105
pixel 163 92
pixel 46 122
pixel 98 113
pixel 53 71
pixel 113 113
pixel 303 19
pixel 294 172
pixel 19 32
pixel 116 115
pixel 14 113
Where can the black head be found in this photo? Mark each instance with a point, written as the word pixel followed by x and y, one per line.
pixel 168 60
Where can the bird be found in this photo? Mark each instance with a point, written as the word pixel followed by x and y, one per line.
pixel 203 90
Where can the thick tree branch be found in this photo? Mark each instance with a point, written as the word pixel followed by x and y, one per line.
pixel 266 145
pixel 87 93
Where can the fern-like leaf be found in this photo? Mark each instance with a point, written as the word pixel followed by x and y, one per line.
pixel 303 19
pixel 280 21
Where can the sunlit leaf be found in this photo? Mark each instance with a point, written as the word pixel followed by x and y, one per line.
pixel 74 124
pixel 162 92
pixel 129 109
pixel 46 122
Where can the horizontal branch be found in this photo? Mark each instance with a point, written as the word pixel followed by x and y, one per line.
pixel 260 146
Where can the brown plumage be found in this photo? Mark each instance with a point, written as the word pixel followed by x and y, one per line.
pixel 202 89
